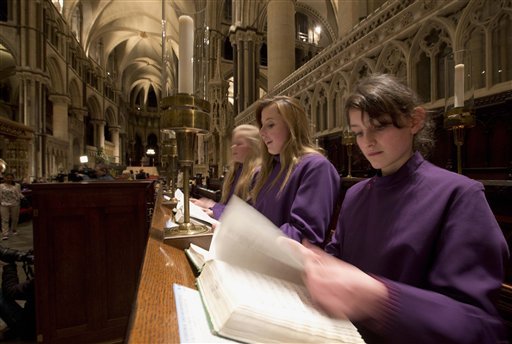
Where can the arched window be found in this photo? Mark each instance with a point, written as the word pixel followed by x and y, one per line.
pixel 107 133
pixel 89 132
pixel 423 77
pixel 502 50
pixel 475 42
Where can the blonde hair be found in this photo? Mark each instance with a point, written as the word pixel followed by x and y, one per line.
pixel 298 144
pixel 251 135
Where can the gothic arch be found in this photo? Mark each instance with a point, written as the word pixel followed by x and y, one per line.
pixel 110 116
pixel 306 101
pixel 319 107
pixel 57 84
pixel 322 19
pixel 480 22
pixel 337 95
pixel 393 59
pixel 431 44
pixel 94 108
pixel 363 67
pixel 75 94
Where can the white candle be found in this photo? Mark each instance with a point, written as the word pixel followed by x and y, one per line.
pixel 186 55
pixel 459 85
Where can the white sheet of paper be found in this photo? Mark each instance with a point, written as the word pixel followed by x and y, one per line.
pixel 195 211
pixel 192 322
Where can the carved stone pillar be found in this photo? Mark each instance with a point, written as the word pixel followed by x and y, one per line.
pixel 32 102
pixel 99 132
pixel 114 130
pixel 349 14
pixel 280 40
pixel 60 116
pixel 246 43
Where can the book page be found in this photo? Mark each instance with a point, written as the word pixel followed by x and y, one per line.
pixel 249 306
pixel 195 212
pixel 248 239
pixel 197 255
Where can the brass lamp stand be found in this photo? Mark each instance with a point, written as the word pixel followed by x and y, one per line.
pixel 187 116
pixel 348 140
pixel 459 98
pixel 457 119
pixel 170 152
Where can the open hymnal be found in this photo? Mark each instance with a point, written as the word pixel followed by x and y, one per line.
pixel 197 256
pixel 251 285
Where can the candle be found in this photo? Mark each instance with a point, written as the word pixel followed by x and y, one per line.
pixel 459 85
pixel 186 52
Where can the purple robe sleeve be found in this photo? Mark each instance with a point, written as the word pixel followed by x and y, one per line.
pixel 217 209
pixel 313 204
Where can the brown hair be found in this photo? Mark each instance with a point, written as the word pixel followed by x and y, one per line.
pixel 383 96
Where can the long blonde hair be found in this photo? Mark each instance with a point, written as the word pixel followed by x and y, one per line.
pixel 299 142
pixel 251 135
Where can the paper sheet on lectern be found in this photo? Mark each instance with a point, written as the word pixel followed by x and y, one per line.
pixel 192 322
pixel 195 211
pixel 249 240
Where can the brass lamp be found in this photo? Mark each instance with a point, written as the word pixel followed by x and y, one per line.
pixel 187 116
pixel 170 166
pixel 459 111
pixel 348 139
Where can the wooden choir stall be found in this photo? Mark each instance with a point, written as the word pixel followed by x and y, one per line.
pixel 89 241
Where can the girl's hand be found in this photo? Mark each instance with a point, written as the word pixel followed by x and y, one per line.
pixel 339 289
pixel 203 202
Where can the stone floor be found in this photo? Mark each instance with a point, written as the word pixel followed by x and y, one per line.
pixel 22 241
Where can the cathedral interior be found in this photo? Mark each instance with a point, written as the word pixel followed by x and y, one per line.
pixel 88 81
pixel 88 77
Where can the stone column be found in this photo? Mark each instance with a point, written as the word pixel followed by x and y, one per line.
pixel 99 132
pixel 280 40
pixel 115 140
pixel 349 12
pixel 246 42
pixel 60 116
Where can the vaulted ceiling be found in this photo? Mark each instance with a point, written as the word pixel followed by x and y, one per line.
pixel 129 32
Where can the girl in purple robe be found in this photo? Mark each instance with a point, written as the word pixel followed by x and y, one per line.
pixel 418 254
pixel 245 162
pixel 297 187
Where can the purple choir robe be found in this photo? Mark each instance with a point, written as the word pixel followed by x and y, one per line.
pixel 430 236
pixel 304 207
pixel 218 208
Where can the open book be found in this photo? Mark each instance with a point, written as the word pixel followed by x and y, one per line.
pixel 251 286
pixel 197 256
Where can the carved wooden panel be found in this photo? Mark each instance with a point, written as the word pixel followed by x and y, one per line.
pixel 89 241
